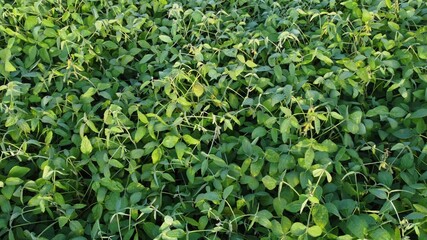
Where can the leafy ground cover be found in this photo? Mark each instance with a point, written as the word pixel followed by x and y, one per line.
pixel 213 119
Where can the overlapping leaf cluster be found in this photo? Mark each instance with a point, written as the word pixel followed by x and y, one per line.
pixel 213 119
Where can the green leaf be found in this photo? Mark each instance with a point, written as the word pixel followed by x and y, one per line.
pixel 357 226
pixel 236 72
pixel 227 191
pixel 259 132
pixel 18 171
pixel 165 39
pixel 136 153
pixel 298 229
pixel 140 133
pixel 388 44
pixel 12 181
pixel 97 211
pixel 385 178
pixel 279 205
pixel 422 51
pixel 397 112
pixel 256 167
pixel 62 220
pixel 263 221
pixel 170 141
pixel 168 177
pixel 110 45
pixel 176 233
pixel 89 93
pixel 420 113
pixel 272 156
pixel 277 228
pixel 250 181
pixel 126 59
pixel 263 218
pixel 76 227
pixel 269 182
pixel 379 193
pixel 151 229
pixel 180 149
pixel 381 234
pixel 380 110
pixel 48 23
pixel 112 185
pixel 197 16
pixel 77 18
pixel 350 4
pixel 404 133
pixel 86 146
pixel 30 22
pixel 336 116
pixel 209 196
pixel 420 208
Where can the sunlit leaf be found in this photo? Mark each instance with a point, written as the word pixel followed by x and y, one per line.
pixel 86 146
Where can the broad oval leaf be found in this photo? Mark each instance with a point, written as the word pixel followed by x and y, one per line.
pixel 86 146
pixel 165 38
pixel 170 141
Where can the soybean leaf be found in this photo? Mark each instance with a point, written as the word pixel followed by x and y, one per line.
pixel 86 146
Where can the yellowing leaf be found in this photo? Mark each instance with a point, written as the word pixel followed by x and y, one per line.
pixel 367 16
pixel 320 215
pixel 183 102
pixel 250 64
pixel 86 146
pixel 156 155
pixel 170 141
pixel 269 182
pixel 9 67
pixel 393 26
pixel 363 74
pixel 142 117
pixel 324 58
pixel 190 140
pixel 314 231
pixel 241 58
pixel 30 22
pixel 198 89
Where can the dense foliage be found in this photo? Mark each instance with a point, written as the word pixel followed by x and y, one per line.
pixel 201 119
